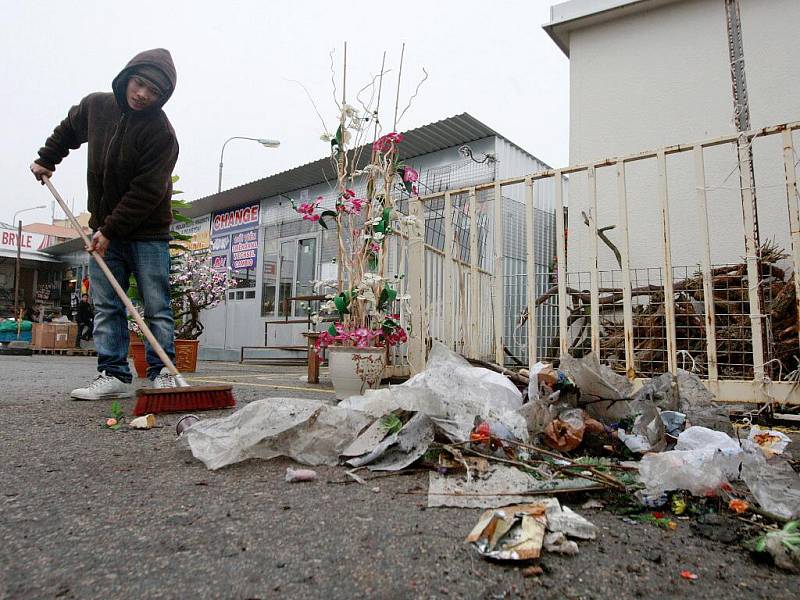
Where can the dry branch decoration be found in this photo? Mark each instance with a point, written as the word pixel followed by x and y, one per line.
pixel 364 299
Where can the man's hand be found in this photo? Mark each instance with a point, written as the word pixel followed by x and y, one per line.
pixel 39 171
pixel 99 243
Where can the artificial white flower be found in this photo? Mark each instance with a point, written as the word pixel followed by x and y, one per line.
pixel 371 279
pixel 326 137
pixel 349 111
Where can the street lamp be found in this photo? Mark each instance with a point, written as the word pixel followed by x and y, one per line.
pixel 264 142
pixel 16 270
pixel 14 220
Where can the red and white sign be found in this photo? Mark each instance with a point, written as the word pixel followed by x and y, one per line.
pixel 29 243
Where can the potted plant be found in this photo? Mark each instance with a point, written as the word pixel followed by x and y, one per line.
pixel 363 301
pixel 195 287
pixel 136 348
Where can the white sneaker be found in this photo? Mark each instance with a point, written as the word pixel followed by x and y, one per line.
pixel 104 387
pixel 165 379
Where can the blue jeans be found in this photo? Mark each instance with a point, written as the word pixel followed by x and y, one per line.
pixel 149 263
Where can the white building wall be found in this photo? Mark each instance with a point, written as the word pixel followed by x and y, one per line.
pixel 662 77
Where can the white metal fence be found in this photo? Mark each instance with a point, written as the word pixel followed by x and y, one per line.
pixel 717 320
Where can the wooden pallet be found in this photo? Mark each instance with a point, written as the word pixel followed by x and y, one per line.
pixel 65 351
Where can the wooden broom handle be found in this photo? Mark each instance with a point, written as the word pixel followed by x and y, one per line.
pixel 113 281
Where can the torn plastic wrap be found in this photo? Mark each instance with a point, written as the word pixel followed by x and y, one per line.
pixel 451 392
pixel 703 461
pixel 308 431
pixel 697 403
pixel 773 482
pixel 605 394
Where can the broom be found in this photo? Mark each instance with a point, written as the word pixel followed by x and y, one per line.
pixel 155 400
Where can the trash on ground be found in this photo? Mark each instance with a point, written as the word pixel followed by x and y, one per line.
pixel 532 571
pixel 647 433
pixel 143 422
pixel 563 519
pixel 771 442
pixel 773 482
pixel 295 475
pixel 783 546
pixel 738 506
pixel 185 422
pixel 510 533
pixel 566 432
pixel 557 542
pixel 399 449
pixel 452 393
pixel 703 461
pixel 500 485
pixel 689 575
pixel 309 431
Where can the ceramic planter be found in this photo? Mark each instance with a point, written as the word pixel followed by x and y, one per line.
pixel 355 370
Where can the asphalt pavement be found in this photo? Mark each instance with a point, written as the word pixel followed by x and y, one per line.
pixel 87 512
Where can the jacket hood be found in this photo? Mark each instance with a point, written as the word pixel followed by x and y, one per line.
pixel 159 58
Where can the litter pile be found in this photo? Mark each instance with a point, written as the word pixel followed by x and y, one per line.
pixel 488 444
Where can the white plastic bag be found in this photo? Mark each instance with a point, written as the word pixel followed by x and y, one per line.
pixel 774 483
pixel 696 471
pixel 728 453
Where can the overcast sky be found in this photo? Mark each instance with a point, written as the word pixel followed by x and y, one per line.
pixel 235 60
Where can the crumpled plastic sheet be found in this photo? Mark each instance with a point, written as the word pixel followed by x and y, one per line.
pixel 703 460
pixel 773 482
pixel 451 392
pixel 399 449
pixel 697 403
pixel 648 431
pixel 308 431
pixel 598 381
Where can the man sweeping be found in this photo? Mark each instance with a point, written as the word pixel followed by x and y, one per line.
pixel 132 150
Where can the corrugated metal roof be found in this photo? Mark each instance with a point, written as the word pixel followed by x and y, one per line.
pixel 73 245
pixel 454 131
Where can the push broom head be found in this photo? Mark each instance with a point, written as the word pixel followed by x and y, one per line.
pixel 183 399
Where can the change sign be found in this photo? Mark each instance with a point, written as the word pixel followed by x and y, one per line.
pixel 234 237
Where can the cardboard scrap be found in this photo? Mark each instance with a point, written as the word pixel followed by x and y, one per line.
pixel 499 486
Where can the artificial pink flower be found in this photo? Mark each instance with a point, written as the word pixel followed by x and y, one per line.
pixel 386 142
pixel 410 175
pixel 307 210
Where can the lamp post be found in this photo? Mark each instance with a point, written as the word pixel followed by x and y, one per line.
pixel 263 141
pixel 16 271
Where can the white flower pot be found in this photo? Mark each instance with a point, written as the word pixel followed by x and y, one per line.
pixel 355 370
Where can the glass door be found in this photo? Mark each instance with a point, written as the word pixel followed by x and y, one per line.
pixel 297 268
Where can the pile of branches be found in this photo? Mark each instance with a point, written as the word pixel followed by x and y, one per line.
pixel 734 344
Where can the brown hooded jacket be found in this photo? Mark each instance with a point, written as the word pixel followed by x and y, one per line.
pixel 131 155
